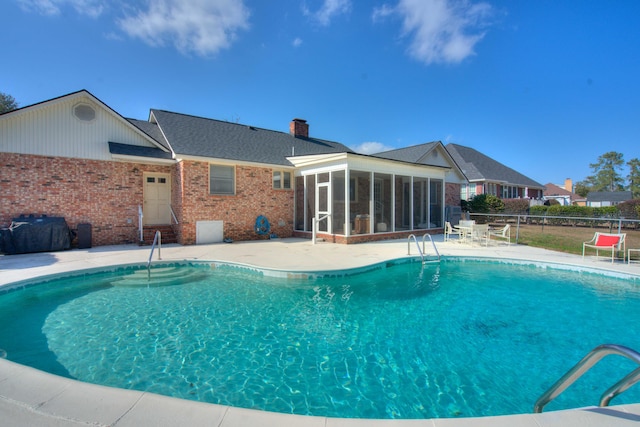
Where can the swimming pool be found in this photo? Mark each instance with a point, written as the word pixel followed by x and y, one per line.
pixel 462 338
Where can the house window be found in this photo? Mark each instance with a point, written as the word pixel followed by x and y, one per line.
pixel 221 179
pixel 509 192
pixel 282 180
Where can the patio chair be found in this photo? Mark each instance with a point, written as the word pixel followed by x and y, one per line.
pixel 606 242
pixel 449 231
pixel 503 233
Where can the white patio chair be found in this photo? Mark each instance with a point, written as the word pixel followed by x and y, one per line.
pixel 449 231
pixel 503 233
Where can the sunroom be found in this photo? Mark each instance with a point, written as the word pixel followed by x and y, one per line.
pixel 349 198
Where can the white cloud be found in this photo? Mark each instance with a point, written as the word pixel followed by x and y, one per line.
pixel 92 8
pixel 202 27
pixel 379 13
pixel 371 148
pixel 441 31
pixel 328 10
pixel 296 42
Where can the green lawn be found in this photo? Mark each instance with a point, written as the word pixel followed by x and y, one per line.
pixel 567 239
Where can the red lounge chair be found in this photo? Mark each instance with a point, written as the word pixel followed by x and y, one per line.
pixel 606 242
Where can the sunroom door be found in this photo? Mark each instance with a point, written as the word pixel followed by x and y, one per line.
pixel 323 206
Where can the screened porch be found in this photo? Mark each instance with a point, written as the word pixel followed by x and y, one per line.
pixel 352 202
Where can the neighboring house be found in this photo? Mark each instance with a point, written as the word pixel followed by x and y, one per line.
pixel 557 193
pixel 564 194
pixel 434 153
pixel 598 199
pixel 487 176
pixel 208 180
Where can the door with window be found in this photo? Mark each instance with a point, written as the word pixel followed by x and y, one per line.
pixel 157 199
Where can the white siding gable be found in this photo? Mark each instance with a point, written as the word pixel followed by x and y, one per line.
pixel 52 129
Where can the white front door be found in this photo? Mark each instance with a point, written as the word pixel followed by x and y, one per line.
pixel 157 199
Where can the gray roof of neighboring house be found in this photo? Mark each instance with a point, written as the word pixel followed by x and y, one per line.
pixel 478 167
pixel 609 196
pixel 413 154
pixel 202 137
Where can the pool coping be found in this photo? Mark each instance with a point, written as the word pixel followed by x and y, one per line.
pixel 29 396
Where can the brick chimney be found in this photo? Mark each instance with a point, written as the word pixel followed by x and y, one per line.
pixel 568 185
pixel 299 128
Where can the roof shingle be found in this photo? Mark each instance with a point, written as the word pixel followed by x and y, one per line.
pixel 202 137
pixel 478 167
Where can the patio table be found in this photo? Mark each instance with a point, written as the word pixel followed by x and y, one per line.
pixel 465 232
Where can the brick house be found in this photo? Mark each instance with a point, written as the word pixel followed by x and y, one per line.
pixel 488 176
pixel 206 180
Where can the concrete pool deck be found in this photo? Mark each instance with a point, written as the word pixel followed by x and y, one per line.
pixel 31 397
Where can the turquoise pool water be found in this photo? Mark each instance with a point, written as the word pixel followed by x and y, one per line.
pixel 456 339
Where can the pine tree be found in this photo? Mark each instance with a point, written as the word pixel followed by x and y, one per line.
pixel 7 103
pixel 634 177
pixel 607 172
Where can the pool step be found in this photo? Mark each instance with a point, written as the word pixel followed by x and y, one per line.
pixel 164 276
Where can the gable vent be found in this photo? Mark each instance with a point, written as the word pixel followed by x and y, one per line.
pixel 84 112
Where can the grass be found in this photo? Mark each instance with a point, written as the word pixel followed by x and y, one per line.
pixel 567 239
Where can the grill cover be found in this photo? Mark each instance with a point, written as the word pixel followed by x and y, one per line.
pixel 30 234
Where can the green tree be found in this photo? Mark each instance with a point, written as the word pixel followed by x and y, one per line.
pixel 607 172
pixel 7 103
pixel 634 177
pixel 582 188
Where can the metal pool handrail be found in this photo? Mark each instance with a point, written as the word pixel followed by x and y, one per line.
pixel 432 244
pixel 421 251
pixel 587 362
pixel 156 239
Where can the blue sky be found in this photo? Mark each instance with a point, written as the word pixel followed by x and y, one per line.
pixel 544 87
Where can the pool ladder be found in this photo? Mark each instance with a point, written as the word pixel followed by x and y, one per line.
pixel 422 251
pixel 587 362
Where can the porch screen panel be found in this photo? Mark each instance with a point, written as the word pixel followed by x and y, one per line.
pixel 311 201
pixel 360 201
pixel 339 223
pixel 420 196
pixel 402 215
pixel 382 202
pixel 435 203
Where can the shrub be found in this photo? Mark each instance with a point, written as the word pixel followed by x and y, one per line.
pixel 486 203
pixel 630 209
pixel 516 206
pixel 538 210
pixel 606 212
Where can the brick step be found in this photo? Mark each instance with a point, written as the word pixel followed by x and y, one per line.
pixel 149 232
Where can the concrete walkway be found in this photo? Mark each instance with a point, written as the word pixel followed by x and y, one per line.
pixel 31 397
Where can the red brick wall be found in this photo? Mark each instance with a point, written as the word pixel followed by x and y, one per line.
pixel 451 194
pixel 254 196
pixel 104 194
